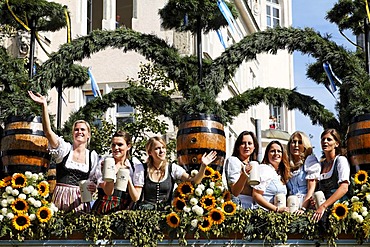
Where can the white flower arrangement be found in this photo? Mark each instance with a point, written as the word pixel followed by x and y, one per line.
pixel 202 206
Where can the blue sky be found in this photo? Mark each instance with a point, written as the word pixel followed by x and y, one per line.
pixel 312 14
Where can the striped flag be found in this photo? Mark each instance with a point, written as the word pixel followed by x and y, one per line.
pixel 331 76
pixel 221 38
pixel 228 16
pixel 94 86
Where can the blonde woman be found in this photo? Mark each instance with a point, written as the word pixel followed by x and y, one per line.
pixel 304 169
pixel 74 161
pixel 160 176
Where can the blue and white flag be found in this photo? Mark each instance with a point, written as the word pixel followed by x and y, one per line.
pixel 94 86
pixel 221 38
pixel 331 76
pixel 228 16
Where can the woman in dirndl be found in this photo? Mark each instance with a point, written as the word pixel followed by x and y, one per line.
pixel 111 199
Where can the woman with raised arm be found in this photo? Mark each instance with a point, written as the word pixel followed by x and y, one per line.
pixel 111 199
pixel 335 172
pixel 161 176
pixel 237 168
pixel 74 161
pixel 274 175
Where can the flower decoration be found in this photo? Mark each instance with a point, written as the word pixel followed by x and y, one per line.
pixel 340 211
pixel 24 201
pixel 361 177
pixel 201 207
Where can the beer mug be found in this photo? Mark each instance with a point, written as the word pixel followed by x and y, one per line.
pixel 293 203
pixel 122 179
pixel 280 200
pixel 109 173
pixel 86 195
pixel 254 176
pixel 319 198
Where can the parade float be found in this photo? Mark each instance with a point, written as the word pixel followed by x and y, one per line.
pixel 201 214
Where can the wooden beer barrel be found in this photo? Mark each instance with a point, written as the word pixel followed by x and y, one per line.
pixel 24 146
pixel 199 134
pixel 358 142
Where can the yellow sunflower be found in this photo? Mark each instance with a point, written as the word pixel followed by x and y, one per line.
pixel 339 211
pixel 361 177
pixel 173 220
pixel 216 216
pixel 19 206
pixel 216 176
pixel 43 188
pixel 2 184
pixel 21 222
pixel 179 203
pixel 226 195
pixel 19 180
pixel 185 189
pixel 44 214
pixel 208 202
pixel 205 225
pixel 208 173
pixel 229 208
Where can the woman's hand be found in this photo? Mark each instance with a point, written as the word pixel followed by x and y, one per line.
pixel 247 168
pixel 91 186
pixel 319 213
pixel 38 98
pixel 208 158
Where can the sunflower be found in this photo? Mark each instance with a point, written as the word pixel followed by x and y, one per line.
pixel 19 181
pixel 339 211
pixel 361 177
pixel 226 195
pixel 216 176
pixel 229 208
pixel 185 189
pixel 44 214
pixel 216 216
pixel 205 225
pixel 19 206
pixel 21 222
pixel 43 188
pixel 208 202
pixel 208 173
pixel 173 220
pixel 179 203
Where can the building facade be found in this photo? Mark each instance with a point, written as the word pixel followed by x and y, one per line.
pixel 111 67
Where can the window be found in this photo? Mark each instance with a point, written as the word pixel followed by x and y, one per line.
pixel 275 117
pixel 89 97
pixel 272 13
pixel 96 8
pixel 124 114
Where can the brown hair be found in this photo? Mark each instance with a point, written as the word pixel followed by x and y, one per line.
pixel 126 136
pixel 334 133
pixel 284 168
pixel 238 143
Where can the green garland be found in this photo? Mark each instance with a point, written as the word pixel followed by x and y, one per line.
pixel 148 228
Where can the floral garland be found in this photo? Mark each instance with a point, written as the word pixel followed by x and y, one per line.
pixel 201 207
pixel 24 201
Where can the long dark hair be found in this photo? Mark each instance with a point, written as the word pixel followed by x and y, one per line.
pixel 239 142
pixel 284 167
